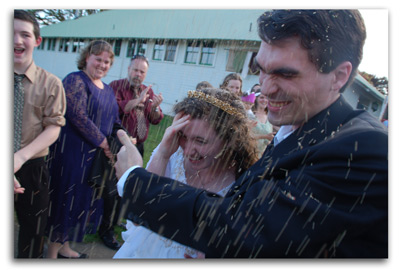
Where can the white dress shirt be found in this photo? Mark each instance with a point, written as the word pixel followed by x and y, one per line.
pixel 283 133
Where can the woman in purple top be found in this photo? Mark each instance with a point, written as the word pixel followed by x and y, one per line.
pixel 75 208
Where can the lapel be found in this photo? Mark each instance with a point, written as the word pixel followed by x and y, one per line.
pixel 321 127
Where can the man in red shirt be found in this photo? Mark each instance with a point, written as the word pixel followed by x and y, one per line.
pixel 138 105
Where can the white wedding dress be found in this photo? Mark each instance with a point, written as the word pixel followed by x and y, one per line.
pixel 142 243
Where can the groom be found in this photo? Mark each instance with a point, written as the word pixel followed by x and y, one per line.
pixel 319 190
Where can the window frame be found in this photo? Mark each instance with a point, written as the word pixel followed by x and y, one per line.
pixel 236 60
pixel 130 51
pixel 51 44
pixel 77 44
pixel 210 51
pixel 140 47
pixel 194 54
pixel 63 46
pixel 117 45
pixel 170 48
pixel 158 50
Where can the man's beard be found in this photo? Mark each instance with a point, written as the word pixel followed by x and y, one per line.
pixel 135 82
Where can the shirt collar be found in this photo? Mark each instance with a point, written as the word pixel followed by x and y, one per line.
pixel 30 72
pixel 283 133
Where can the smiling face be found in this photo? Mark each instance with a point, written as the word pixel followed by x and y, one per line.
pixel 262 101
pixel 24 44
pixel 295 90
pixel 234 86
pixel 200 145
pixel 97 66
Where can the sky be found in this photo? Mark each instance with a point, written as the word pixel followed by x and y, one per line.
pixel 376 48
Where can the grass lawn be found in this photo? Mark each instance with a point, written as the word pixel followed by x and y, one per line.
pixel 156 133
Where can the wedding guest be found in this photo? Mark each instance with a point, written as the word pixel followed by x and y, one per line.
pixel 321 187
pixel 255 88
pixel 138 105
pixel 233 83
pixel 91 114
pixel 39 107
pixel 203 84
pixel 207 147
pixel 264 131
pixel 248 102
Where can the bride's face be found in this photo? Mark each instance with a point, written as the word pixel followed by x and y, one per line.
pixel 200 145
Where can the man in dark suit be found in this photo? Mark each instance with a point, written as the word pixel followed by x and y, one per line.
pixel 321 187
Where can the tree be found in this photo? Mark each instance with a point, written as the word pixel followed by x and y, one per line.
pixel 380 83
pixel 52 16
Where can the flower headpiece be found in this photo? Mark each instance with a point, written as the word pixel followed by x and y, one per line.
pixel 215 101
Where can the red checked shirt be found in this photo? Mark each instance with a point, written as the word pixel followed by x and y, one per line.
pixel 124 93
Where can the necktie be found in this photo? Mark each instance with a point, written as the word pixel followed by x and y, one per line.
pixel 141 125
pixel 18 109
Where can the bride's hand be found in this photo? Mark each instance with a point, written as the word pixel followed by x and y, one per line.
pixel 170 141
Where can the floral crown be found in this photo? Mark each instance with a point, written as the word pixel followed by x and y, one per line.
pixel 215 101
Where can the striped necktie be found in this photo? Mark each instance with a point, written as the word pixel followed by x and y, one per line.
pixel 18 109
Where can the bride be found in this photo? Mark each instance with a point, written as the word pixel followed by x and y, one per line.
pixel 208 146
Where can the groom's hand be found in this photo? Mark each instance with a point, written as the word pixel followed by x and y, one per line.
pixel 128 156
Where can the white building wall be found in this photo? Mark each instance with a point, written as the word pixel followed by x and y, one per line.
pixel 351 96
pixel 172 79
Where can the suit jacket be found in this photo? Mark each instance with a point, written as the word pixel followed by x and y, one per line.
pixel 322 192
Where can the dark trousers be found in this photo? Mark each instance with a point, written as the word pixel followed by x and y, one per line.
pixel 111 208
pixel 32 207
pixel 111 202
pixel 140 147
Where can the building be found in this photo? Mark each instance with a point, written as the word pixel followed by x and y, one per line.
pixel 362 95
pixel 184 47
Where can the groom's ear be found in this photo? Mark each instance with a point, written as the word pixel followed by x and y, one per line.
pixel 341 75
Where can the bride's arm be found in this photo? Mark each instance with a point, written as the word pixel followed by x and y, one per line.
pixel 157 164
pixel 168 146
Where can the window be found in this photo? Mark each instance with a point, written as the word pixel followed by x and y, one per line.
pixel 142 46
pixel 207 53
pixel 117 47
pixel 136 46
pixel 41 46
pixel 253 68
pixel 63 46
pixel 51 44
pixel 171 51
pixel 236 61
pixel 363 103
pixel 192 52
pixel 158 50
pixel 77 44
pixel 131 48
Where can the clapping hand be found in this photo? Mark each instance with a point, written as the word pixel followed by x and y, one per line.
pixel 144 95
pixel 157 99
